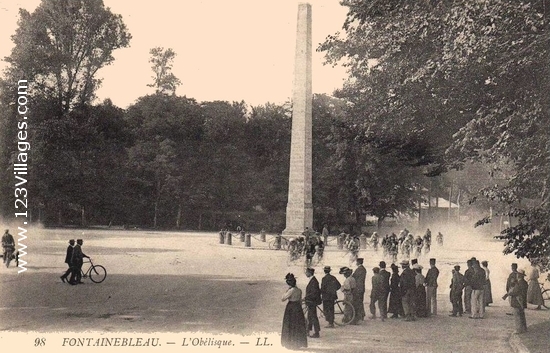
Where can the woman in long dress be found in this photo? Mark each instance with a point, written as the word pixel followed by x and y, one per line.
pixel 294 333
pixel 487 292
pixel 421 309
pixel 534 295
pixel 395 306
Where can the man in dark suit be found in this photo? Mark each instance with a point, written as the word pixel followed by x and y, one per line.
pixel 457 285
pixel 518 300
pixel 360 274
pixel 312 298
pixel 408 286
pixel 383 304
pixel 329 286
pixel 511 277
pixel 77 261
pixel 468 277
pixel 68 260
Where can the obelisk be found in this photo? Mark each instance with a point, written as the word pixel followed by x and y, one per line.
pixel 299 209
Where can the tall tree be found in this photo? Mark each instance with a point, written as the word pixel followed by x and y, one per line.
pixel 165 155
pixel 59 49
pixel 61 46
pixel 164 81
pixel 458 81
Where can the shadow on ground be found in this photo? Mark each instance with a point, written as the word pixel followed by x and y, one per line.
pixel 537 338
pixel 140 303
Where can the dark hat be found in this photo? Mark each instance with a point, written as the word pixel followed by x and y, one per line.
pixel 457 267
pixel 521 272
pixel 71 241
pixel 309 269
pixel 473 258
pixel 394 267
pixel 515 265
pixel 432 260
pixel 484 263
pixel 360 260
pixel 344 269
pixel 327 268
pixel 289 276
pixel 382 264
pixel 414 261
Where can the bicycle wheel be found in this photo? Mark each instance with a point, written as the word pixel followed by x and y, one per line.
pixel 284 244
pixel 546 298
pixel 304 309
pixel 344 312
pixel 98 273
pixel 9 257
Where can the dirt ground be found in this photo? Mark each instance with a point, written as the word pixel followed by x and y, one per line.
pixel 185 285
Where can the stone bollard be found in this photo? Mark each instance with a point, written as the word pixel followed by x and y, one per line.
pixel 228 239
pixel 247 241
pixel 363 239
pixel 242 235
pixel 278 242
pixel 262 236
pixel 222 238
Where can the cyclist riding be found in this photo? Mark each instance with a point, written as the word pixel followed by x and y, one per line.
pixel 8 245
pixel 353 248
pixel 439 238
pixel 309 250
pixel 374 240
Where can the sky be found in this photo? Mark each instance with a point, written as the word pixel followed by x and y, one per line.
pixel 226 50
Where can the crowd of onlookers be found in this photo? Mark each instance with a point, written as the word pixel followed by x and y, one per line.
pixel 403 292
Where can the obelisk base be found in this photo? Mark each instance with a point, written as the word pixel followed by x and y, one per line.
pixel 297 219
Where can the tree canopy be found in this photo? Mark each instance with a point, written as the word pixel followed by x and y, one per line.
pixel 448 82
pixel 62 45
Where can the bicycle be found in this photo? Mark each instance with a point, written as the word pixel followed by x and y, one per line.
pixel 11 255
pixel 96 273
pixel 545 296
pixel 353 255
pixel 294 256
pixel 340 316
pixel 273 244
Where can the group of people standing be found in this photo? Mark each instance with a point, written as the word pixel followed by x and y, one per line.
pixel 413 295
pixel 74 258
pixel 410 295
pixel 475 285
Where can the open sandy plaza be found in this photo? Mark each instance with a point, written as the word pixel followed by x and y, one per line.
pixel 181 287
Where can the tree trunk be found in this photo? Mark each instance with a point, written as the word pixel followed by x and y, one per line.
pixel 83 216
pixel 178 219
pixel 450 203
pixel 379 223
pixel 458 203
pixel 156 213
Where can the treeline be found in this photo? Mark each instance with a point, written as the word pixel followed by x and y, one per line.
pixel 166 162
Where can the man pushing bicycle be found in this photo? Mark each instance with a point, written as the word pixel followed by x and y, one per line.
pixel 8 246
pixel 77 262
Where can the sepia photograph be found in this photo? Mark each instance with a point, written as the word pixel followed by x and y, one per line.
pixel 275 176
